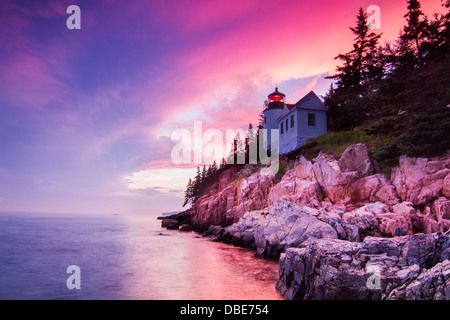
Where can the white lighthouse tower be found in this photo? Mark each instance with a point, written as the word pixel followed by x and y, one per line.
pixel 274 107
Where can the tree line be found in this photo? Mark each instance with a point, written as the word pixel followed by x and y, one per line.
pixel 238 156
pixel 400 89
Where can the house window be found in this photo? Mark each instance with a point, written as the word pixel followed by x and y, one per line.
pixel 311 119
pixel 282 128
pixel 265 120
pixel 287 125
pixel 292 121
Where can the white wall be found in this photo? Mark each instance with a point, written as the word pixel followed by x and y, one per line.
pixel 271 123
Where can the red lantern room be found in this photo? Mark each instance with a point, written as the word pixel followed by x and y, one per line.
pixel 276 96
pixel 276 100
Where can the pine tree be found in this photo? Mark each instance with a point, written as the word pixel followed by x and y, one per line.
pixel 361 67
pixel 197 185
pixel 189 193
pixel 223 163
pixel 359 64
pixel 414 33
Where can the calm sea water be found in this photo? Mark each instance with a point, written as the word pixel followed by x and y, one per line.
pixel 123 257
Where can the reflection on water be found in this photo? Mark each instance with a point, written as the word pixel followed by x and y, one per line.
pixel 123 257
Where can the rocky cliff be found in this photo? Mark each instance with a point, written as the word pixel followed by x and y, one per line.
pixel 333 221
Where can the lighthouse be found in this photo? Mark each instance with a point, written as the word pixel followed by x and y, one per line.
pixel 274 106
pixel 296 123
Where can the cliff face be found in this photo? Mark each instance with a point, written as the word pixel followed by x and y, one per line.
pixel 339 206
pixel 343 189
pixel 231 200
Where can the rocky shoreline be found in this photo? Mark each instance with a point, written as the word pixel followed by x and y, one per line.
pixel 339 230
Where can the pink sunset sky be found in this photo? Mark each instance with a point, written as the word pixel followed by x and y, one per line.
pixel 86 115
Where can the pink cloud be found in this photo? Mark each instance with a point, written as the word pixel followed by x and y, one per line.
pixel 277 42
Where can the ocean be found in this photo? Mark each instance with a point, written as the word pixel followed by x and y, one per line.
pixel 123 257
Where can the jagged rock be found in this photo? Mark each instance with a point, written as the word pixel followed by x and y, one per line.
pixel 232 201
pixel 242 232
pixel 288 225
pixel 446 187
pixel 333 182
pixel 419 180
pixel 344 230
pixel 433 284
pixel 303 169
pixel 214 232
pixel 364 218
pixel 412 267
pixel 372 189
pixel 171 224
pixel 356 158
pixel 296 190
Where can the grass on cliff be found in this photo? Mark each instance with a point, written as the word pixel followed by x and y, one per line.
pixel 335 143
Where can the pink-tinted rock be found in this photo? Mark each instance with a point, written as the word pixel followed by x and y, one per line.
pixel 356 158
pixel 333 182
pixel 303 169
pixel 398 222
pixel 298 191
pixel 442 213
pixel 373 188
pixel 419 180
pixel 231 201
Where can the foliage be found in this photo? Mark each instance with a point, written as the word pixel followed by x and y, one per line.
pixel 405 97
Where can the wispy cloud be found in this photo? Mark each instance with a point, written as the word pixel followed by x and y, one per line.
pixel 161 180
pixel 90 112
pixel 46 185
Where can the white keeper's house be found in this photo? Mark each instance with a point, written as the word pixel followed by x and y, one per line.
pixel 297 122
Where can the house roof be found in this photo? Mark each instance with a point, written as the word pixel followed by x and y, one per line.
pixel 310 102
pixel 290 106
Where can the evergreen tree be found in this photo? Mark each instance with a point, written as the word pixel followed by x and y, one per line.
pixel 223 163
pixel 415 32
pixel 189 193
pixel 361 66
pixel 197 185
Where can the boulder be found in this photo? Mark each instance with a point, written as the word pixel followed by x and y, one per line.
pixel 372 189
pixel 287 225
pixel 364 218
pixel 242 232
pixel 442 213
pixel 409 267
pixel 399 222
pixel 303 169
pixel 296 190
pixel 171 224
pixel 419 180
pixel 332 181
pixel 356 158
